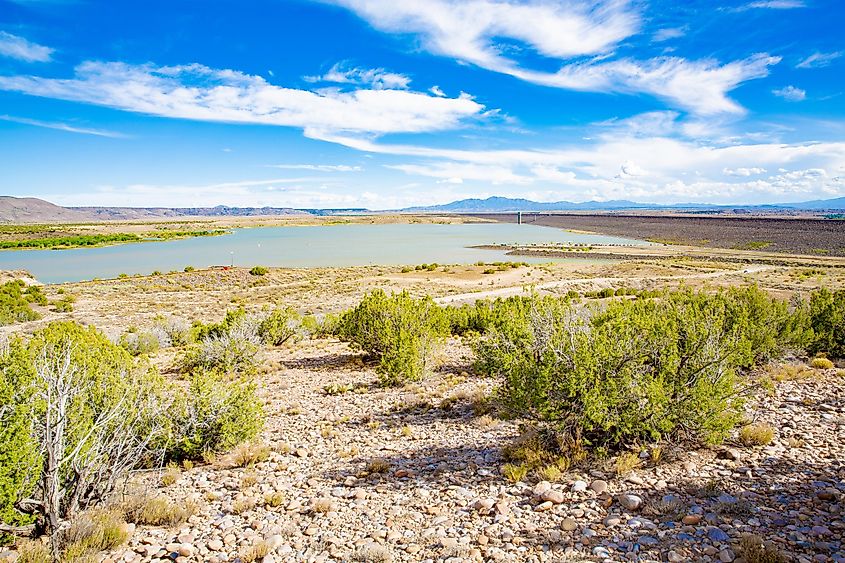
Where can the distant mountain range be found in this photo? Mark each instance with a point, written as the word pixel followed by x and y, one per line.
pixel 498 204
pixel 503 204
pixel 34 210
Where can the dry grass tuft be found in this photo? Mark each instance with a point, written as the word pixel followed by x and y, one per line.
pixel 758 434
pixel 791 372
pixel 248 480
pixel 515 472
pixel 33 551
pixel 626 462
pixel 753 549
pixel 247 455
pixel 322 506
pixel 256 552
pixel 274 499
pixel 372 553
pixel 93 531
pixel 821 363
pixel 242 505
pixel 156 511
pixel 378 465
pixel 666 509
pixel 709 489
pixel 549 473
pixel 170 475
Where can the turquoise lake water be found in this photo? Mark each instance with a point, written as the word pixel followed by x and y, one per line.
pixel 297 247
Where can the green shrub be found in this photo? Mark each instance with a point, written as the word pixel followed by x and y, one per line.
pixel 230 346
pixel 259 271
pixel 633 370
pixel 141 342
pixel 279 326
pixel 19 458
pixel 14 303
pixel 320 327
pixel 116 420
pixel 826 319
pixel 234 353
pixel 177 332
pixel 34 294
pixel 399 332
pixel 64 305
pixel 482 315
pixel 216 414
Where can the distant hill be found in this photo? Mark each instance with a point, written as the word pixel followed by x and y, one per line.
pixel 124 213
pixel 34 210
pixel 837 204
pixel 498 204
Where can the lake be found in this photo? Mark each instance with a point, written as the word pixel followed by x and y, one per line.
pixel 298 247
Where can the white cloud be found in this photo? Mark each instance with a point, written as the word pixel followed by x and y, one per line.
pixel 377 78
pixel 63 127
pixel 318 167
pixel 471 30
pixel 791 93
pixel 649 124
pixel 743 172
pixel 698 86
pixel 274 193
pixel 629 169
pixel 205 94
pixel 19 48
pixel 437 91
pixel 819 60
pixel 668 33
pixel 654 169
pixel 458 173
pixel 774 5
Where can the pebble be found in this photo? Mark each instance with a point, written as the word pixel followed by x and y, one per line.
pixel 630 501
pixel 579 487
pixel 599 486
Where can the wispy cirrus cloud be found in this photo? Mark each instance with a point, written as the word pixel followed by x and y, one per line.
pixel 790 93
pixel 583 35
pixel 772 5
pixel 318 167
pixel 377 78
pixel 819 60
pixel 64 127
pixel 201 93
pixel 743 172
pixel 698 86
pixel 21 49
pixel 668 33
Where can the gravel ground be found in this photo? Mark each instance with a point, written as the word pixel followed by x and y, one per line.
pixel 792 235
pixel 440 496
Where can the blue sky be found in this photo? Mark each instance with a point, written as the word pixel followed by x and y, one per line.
pixel 386 104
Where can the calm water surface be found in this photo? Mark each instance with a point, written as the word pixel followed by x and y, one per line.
pixel 337 245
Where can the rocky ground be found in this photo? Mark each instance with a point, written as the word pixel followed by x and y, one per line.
pixel 413 474
pixel 360 473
